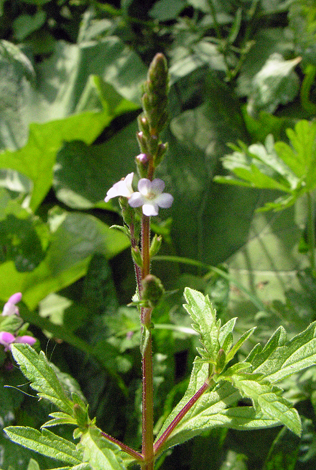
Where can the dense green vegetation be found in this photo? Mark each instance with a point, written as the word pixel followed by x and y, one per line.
pixel 241 73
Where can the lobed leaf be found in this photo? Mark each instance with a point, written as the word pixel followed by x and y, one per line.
pixel 43 379
pixel 45 443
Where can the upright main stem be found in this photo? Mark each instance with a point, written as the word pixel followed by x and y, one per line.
pixel 147 365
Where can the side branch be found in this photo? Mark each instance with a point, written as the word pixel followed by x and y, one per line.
pixel 159 444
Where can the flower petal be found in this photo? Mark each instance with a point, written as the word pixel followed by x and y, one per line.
pixel 164 200
pixel 144 186
pixel 121 188
pixel 6 339
pixel 10 308
pixel 136 200
pixel 26 339
pixel 157 186
pixel 150 209
pixel 15 298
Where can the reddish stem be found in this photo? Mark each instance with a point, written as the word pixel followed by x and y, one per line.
pixel 136 455
pixel 158 445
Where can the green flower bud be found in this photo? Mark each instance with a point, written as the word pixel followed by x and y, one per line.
pixel 155 245
pixel 152 290
pixel 220 361
pixel 137 257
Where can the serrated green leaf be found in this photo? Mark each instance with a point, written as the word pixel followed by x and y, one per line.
pixel 43 378
pixel 203 315
pixel 216 408
pixel 99 452
pixel 268 399
pixel 239 343
pixel 45 443
pixel 59 418
pixel 33 465
pixel 279 362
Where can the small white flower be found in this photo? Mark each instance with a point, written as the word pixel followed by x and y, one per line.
pixel 150 196
pixel 121 188
pixel 10 308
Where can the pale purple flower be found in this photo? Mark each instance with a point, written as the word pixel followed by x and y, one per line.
pixel 121 188
pixel 10 307
pixel 151 196
pixel 7 339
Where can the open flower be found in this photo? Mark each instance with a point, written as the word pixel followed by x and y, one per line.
pixel 7 339
pixel 150 196
pixel 121 188
pixel 10 307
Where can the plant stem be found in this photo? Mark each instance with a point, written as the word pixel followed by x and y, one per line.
pixel 311 231
pixel 159 444
pixel 147 365
pixel 124 447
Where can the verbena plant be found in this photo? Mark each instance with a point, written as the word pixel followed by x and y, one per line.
pixel 223 392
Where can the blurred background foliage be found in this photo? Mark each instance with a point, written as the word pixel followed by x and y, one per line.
pixel 71 74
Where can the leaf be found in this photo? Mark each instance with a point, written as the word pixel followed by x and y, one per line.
pixel 268 400
pixel 24 25
pixel 33 465
pixel 164 11
pixel 16 75
pixel 43 379
pixel 99 452
pixel 280 360
pixel 45 443
pixel 276 83
pixel 203 315
pixel 301 157
pixel 284 452
pixel 216 408
pixel 24 236
pixel 73 243
pixel 59 418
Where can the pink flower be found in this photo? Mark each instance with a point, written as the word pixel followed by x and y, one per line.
pixel 7 339
pixel 121 188
pixel 10 307
pixel 151 196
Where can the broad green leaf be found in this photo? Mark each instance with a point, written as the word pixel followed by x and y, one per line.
pixel 203 315
pixel 43 379
pixel 25 236
pixel 45 443
pixel 37 158
pixel 17 75
pixel 276 83
pixel 73 243
pixel 100 453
